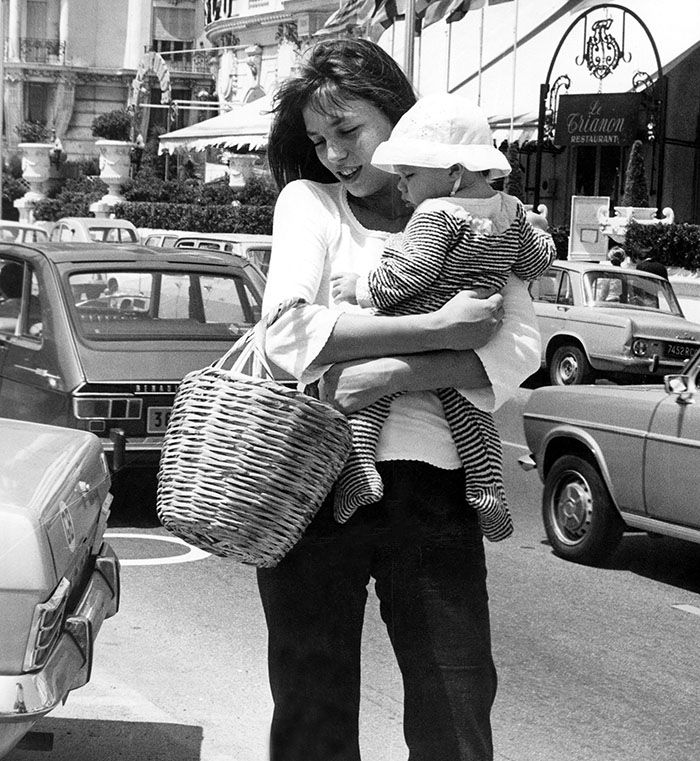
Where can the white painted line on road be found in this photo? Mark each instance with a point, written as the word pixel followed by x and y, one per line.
pixel 186 557
pixel 688 609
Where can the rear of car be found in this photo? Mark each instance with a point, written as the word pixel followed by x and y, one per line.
pixel 59 579
pixel 166 318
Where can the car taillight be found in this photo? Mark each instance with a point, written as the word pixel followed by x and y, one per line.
pixel 104 407
pixel 639 347
pixel 47 624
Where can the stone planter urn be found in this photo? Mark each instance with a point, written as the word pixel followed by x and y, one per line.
pixel 35 171
pixel 115 162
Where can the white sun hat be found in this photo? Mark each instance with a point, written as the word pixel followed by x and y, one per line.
pixel 439 131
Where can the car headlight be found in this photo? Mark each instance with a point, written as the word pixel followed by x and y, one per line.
pixel 639 347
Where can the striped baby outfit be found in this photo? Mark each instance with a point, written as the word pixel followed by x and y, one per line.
pixel 443 250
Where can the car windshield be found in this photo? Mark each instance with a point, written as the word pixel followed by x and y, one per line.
pixel 146 304
pixel 112 234
pixel 629 289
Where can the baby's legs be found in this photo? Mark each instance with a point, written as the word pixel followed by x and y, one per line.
pixel 479 447
pixel 359 482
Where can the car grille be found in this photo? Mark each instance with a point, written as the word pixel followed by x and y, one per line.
pixel 677 350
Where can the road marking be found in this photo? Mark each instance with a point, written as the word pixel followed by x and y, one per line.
pixel 688 609
pixel 194 553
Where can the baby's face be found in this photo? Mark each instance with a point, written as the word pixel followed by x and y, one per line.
pixel 416 183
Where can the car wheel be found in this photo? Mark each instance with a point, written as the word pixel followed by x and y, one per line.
pixel 570 367
pixel 579 517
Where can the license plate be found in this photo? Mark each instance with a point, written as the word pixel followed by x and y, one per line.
pixel 680 351
pixel 157 419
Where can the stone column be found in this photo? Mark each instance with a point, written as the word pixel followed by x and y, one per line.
pixel 13 31
pixel 64 27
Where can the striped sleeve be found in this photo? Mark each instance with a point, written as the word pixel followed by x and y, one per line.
pixel 413 259
pixel 536 250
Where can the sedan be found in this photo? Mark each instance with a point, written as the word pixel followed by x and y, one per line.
pixel 99 337
pixel 597 320
pixel 59 580
pixel 93 230
pixel 616 458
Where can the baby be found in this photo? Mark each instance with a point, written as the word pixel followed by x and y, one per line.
pixel 462 235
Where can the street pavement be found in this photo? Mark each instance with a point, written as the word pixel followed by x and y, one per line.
pixel 594 664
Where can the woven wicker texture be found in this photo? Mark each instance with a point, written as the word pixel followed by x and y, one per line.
pixel 247 462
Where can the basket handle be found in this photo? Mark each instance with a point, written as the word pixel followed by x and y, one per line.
pixel 252 343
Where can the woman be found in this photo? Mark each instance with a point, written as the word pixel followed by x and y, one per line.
pixel 420 543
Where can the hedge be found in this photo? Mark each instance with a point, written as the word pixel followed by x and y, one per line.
pixel 675 245
pixel 205 219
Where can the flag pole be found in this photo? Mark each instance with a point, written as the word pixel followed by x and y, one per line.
pixel 481 55
pixel 2 95
pixel 409 38
pixel 515 51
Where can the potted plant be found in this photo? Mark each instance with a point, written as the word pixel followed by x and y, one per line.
pixel 635 198
pixel 113 132
pixel 35 145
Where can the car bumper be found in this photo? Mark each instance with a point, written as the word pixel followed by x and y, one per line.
pixel 653 365
pixel 124 451
pixel 26 697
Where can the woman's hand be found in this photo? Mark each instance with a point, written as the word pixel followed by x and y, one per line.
pixel 470 319
pixel 350 386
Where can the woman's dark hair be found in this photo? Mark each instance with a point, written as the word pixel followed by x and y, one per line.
pixel 334 72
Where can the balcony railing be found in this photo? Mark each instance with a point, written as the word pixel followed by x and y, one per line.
pixel 194 61
pixel 37 50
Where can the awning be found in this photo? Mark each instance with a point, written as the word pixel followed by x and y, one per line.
pixel 241 127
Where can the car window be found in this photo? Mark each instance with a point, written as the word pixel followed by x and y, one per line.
pixel 566 295
pixel 261 257
pixel 630 289
pixel 20 300
pixel 163 305
pixel 545 288
pixel 63 234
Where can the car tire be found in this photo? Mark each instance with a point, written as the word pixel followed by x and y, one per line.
pixel 569 366
pixel 579 517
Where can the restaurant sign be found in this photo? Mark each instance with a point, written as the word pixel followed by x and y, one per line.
pixel 611 119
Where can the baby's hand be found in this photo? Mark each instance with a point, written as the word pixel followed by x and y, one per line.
pixel 538 221
pixel 343 287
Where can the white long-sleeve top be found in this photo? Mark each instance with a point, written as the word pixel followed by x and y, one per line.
pixel 315 235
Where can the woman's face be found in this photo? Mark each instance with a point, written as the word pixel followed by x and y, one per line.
pixel 345 139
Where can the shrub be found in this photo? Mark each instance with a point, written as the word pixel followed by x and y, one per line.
pixel 112 125
pixel 34 132
pixel 73 200
pixel 675 245
pixel 198 218
pixel 636 191
pixel 560 236
pixel 513 183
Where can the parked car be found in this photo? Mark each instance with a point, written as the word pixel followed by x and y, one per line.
pixel 614 458
pixel 59 580
pixel 255 247
pixel 597 320
pixel 93 230
pixel 21 232
pixel 99 337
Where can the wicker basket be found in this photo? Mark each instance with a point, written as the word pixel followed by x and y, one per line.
pixel 246 462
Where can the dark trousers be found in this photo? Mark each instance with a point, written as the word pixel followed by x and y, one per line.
pixel 424 549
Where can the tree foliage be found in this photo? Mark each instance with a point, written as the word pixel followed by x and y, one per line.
pixel 636 192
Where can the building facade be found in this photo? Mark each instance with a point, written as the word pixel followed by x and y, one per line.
pixel 67 61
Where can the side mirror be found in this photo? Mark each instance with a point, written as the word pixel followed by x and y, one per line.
pixel 680 386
